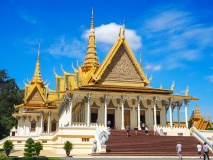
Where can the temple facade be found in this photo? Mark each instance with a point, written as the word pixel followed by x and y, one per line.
pixel 116 90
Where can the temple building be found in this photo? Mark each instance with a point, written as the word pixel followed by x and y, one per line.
pixel 199 121
pixel 116 90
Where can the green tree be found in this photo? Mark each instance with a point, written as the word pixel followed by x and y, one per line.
pixel 10 94
pixel 8 146
pixel 29 149
pixel 38 147
pixel 4 157
pixel 68 146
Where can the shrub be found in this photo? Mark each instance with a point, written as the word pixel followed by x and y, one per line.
pixel 29 149
pixel 209 128
pixel 68 146
pixel 8 146
pixel 38 148
pixel 3 157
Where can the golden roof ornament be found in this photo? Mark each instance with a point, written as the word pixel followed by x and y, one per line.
pixel 173 85
pixel 91 58
pixel 197 112
pixel 75 70
pixel 37 74
pixel 187 91
pixel 161 86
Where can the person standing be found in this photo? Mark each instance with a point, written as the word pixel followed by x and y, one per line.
pixel 199 149
pixel 143 126
pixel 146 130
pixel 179 150
pixel 127 130
pixel 155 130
pixel 205 151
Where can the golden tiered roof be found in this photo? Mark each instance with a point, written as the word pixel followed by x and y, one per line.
pixel 91 60
pixel 37 94
pixel 200 121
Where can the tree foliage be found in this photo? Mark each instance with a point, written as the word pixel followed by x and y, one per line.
pixel 10 94
pixel 8 146
pixel 29 149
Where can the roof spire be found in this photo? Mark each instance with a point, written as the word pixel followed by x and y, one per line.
pixel 140 58
pixel 197 112
pixel 91 59
pixel 92 20
pixel 37 74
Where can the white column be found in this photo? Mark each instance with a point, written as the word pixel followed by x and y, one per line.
pixel 88 109
pixel 105 109
pixel 18 129
pixel 139 117
pixel 41 115
pixel 155 103
pixel 48 123
pixel 178 111
pixel 186 103
pixel 170 109
pixel 122 112
pixel 70 109
pixel 24 119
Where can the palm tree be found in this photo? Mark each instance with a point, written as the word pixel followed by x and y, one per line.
pixel 38 147
pixel 68 146
pixel 8 146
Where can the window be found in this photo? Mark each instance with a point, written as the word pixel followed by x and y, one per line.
pixel 45 127
pixel 53 128
pixel 33 126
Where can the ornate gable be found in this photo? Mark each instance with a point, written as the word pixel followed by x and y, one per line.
pixel 35 96
pixel 121 69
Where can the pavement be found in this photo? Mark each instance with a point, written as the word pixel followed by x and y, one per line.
pixel 20 153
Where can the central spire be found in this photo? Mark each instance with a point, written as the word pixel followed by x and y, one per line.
pixel 91 59
pixel 37 74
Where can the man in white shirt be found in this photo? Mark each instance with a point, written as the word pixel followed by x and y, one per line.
pixel 206 151
pixel 179 149
pixel 199 149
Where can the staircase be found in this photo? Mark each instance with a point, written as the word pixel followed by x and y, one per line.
pixel 148 145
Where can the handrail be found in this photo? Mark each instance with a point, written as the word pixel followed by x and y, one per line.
pixel 202 137
pixel 97 138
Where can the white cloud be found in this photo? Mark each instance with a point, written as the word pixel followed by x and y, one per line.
pixel 108 34
pixel 209 78
pixel 152 67
pixel 27 18
pixel 176 37
pixel 72 48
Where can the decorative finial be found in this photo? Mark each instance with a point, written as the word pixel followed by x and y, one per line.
pixel 173 85
pixel 119 35
pixel 123 30
pixel 37 74
pixel 150 78
pixel 54 72
pixel 187 91
pixel 77 64
pixel 161 86
pixel 92 28
pixel 140 58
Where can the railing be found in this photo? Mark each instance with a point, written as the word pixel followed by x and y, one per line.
pixel 97 138
pixel 201 137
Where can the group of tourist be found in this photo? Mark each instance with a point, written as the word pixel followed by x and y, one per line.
pixel 199 150
pixel 143 127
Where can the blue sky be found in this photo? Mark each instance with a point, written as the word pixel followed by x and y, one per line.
pixel 175 38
